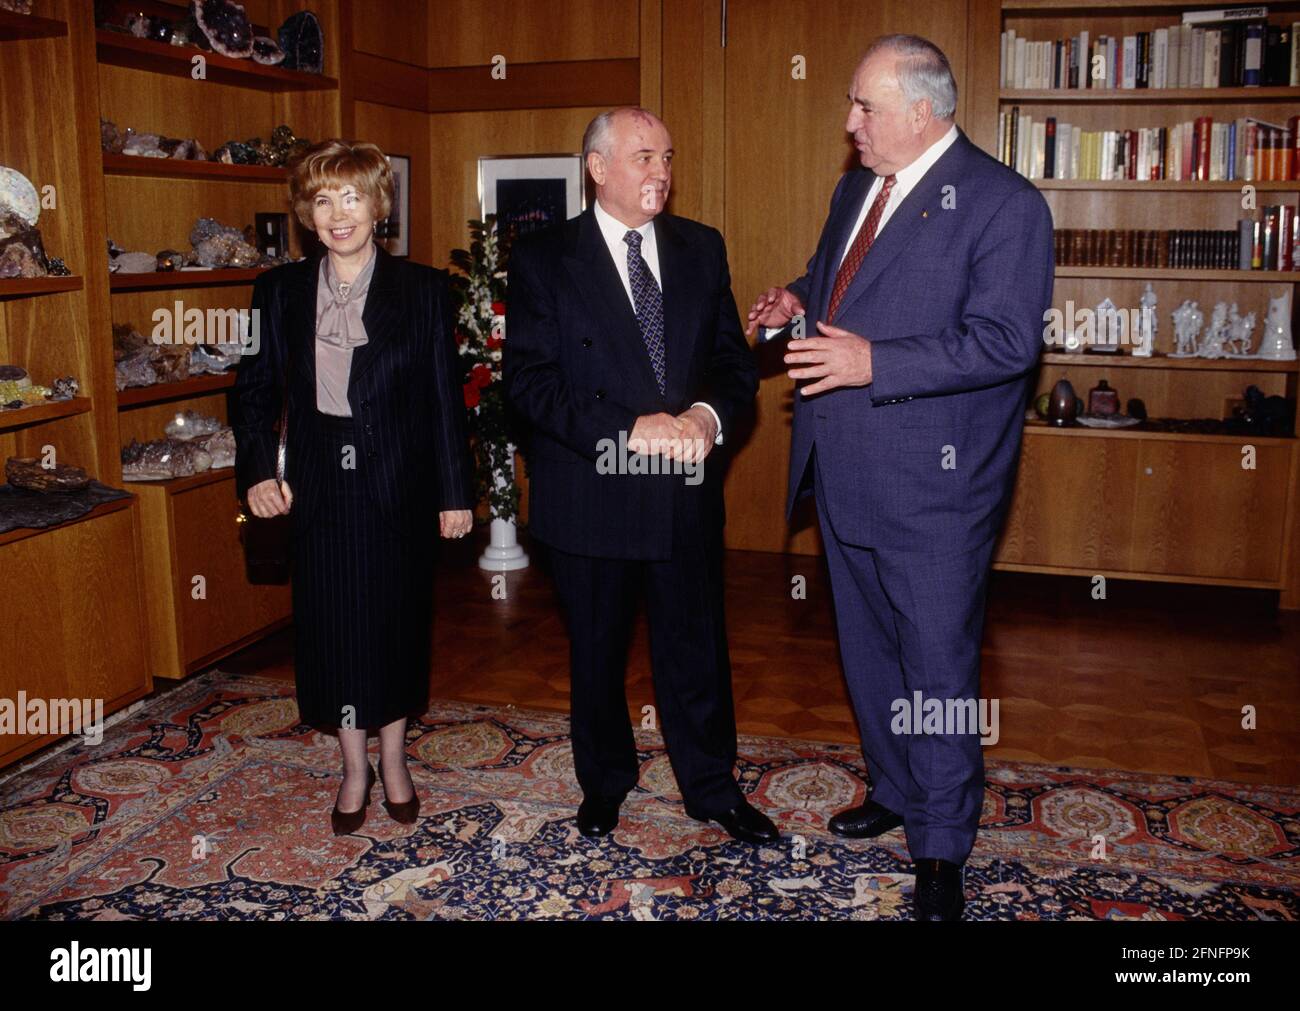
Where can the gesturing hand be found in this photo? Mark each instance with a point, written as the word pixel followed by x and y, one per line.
pixel 838 359
pixel 774 308
pixel 455 523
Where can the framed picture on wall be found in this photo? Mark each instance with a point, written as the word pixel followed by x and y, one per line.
pixel 529 192
pixel 395 230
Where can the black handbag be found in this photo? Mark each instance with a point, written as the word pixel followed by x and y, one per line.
pixel 268 548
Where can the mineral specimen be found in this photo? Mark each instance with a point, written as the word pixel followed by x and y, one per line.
pixel 135 263
pixel 22 508
pixel 15 374
pixel 142 145
pixel 225 26
pixel 161 459
pixel 267 51
pixel 65 388
pixel 17 6
pixel 110 137
pixel 303 43
pixel 18 195
pixel 234 152
pixel 17 260
pixel 220 445
pixel 28 472
pixel 190 424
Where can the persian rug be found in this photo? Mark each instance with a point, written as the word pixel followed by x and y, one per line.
pixel 212 803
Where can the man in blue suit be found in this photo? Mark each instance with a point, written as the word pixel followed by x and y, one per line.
pixel 928 291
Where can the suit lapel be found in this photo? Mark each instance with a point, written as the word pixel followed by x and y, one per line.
pixel 912 215
pixel 679 336
pixel 380 316
pixel 592 268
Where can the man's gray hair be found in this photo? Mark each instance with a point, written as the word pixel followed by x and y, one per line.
pixel 923 72
pixel 597 136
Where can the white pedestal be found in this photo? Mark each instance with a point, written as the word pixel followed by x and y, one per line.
pixel 504 553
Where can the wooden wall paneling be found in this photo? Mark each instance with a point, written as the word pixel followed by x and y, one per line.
pixel 685 49
pixel 785 150
pixel 468 33
pixel 372 29
pixel 403 131
pixel 977 91
pixel 650 56
pixel 458 139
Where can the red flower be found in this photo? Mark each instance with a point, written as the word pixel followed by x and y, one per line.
pixel 471 395
pixel 498 308
pixel 461 336
pixel 480 376
pixel 494 341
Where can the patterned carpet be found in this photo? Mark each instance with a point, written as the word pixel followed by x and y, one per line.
pixel 212 803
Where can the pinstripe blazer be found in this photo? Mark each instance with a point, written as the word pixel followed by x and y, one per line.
pixel 404 390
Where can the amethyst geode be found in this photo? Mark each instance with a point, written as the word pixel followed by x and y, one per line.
pixel 303 43
pixel 225 26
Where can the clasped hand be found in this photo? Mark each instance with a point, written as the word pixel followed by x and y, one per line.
pixel 688 436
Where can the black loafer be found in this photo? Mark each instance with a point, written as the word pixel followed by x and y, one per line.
pixel 744 822
pixel 597 817
pixel 864 822
pixel 938 895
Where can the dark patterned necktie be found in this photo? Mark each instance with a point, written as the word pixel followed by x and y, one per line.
pixel 649 302
pixel 861 246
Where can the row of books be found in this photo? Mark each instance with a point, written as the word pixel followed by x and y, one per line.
pixel 1271 242
pixel 1247 55
pixel 1247 148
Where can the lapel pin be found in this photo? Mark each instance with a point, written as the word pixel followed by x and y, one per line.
pixel 925 214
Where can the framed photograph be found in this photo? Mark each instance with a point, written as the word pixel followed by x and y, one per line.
pixel 395 230
pixel 529 192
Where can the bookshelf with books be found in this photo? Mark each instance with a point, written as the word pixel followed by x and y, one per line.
pixel 1165 138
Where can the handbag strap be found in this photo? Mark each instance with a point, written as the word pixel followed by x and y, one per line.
pixel 284 422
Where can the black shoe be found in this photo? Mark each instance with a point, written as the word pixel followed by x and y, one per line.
pixel 938 894
pixel 864 822
pixel 347 822
pixel 597 817
pixel 743 822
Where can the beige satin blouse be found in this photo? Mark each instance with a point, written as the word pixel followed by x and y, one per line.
pixel 339 330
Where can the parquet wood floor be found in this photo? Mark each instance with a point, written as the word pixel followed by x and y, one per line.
pixel 1151 679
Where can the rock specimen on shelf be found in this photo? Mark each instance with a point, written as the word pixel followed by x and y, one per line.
pixel 163 459
pixel 15 374
pixel 142 145
pixel 225 25
pixel 218 245
pixel 140 362
pixel 234 152
pixel 22 393
pixel 190 425
pixel 28 472
pixel 22 508
pixel 220 445
pixel 110 137
pixel 170 259
pixel 134 263
pixel 22 251
pixel 303 43
pixel 64 388
pixel 267 51
pixel 16 6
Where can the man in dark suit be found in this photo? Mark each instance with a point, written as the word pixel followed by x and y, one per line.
pixel 928 289
pixel 624 354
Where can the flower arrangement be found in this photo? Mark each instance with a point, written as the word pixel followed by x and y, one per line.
pixel 480 292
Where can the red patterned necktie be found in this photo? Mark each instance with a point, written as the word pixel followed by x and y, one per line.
pixel 861 246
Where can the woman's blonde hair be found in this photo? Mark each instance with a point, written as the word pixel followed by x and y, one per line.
pixel 333 164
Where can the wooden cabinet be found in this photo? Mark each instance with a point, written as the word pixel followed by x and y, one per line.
pixel 201 605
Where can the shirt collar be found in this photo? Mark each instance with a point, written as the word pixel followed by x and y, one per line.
pixel 909 175
pixel 613 230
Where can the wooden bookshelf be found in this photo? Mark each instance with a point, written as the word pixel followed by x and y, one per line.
pixel 20 287
pixel 165 280
pixel 50 410
pixel 30 26
pixel 121 50
pixel 137 396
pixel 1134 503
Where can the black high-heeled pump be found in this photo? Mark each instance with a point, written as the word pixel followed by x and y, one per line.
pixel 347 822
pixel 406 811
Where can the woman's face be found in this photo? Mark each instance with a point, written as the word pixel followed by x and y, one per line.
pixel 343 219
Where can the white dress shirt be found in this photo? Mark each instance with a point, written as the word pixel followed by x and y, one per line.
pixel 613 231
pixel 905 180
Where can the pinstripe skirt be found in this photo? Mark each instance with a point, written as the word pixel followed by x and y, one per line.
pixel 362 600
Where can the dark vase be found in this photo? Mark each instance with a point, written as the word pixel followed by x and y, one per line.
pixel 1102 399
pixel 1063 404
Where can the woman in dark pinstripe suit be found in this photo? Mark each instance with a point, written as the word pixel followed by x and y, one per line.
pixel 376 446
